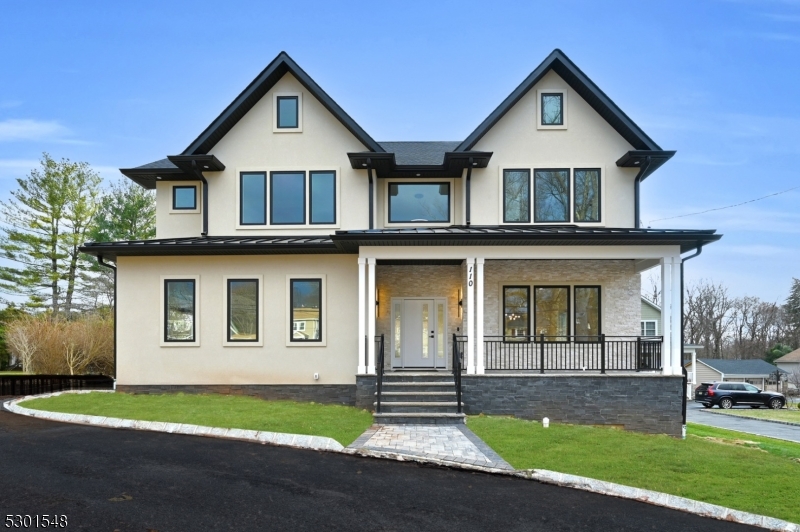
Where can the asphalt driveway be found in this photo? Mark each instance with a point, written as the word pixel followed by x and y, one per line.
pixel 122 480
pixel 695 414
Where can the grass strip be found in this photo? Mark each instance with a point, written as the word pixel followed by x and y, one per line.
pixel 342 423
pixel 784 414
pixel 732 469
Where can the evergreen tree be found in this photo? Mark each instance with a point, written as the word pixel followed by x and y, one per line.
pixel 44 223
pixel 792 309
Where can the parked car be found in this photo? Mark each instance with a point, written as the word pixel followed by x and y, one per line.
pixel 729 394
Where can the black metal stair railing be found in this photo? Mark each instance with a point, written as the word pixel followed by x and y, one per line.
pixel 379 344
pixel 458 363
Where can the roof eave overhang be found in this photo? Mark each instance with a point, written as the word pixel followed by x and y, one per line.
pixel 385 164
pixel 638 159
pixel 111 251
pixel 148 177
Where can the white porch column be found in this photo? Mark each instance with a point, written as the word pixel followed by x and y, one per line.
pixel 677 355
pixel 469 323
pixel 666 314
pixel 362 316
pixel 370 312
pixel 481 365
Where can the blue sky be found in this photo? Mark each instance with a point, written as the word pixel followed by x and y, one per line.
pixel 118 84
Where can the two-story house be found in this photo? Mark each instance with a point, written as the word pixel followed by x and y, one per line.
pixel 294 253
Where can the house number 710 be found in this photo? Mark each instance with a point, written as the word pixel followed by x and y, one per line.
pixel 469 276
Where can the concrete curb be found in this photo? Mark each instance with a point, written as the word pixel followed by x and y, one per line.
pixel 320 443
pixel 718 413
pixel 300 441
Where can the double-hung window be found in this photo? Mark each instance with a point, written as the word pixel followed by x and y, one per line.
pixel 557 195
pixel 282 198
pixel 649 328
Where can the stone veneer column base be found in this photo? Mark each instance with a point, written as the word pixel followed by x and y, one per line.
pixel 650 403
pixel 344 394
pixel 366 385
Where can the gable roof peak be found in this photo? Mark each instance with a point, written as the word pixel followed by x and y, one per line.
pixel 275 70
pixel 580 83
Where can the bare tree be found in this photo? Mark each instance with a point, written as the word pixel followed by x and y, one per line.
pixel 708 316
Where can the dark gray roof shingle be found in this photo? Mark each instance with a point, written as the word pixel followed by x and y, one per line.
pixel 419 153
pixel 740 367
pixel 159 164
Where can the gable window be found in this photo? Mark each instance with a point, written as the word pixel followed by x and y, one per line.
pixel 516 318
pixel 587 195
pixel 419 202
pixel 552 109
pixel 179 310
pixel 253 198
pixel 287 110
pixel 551 312
pixel 649 328
pixel 516 196
pixel 587 313
pixel 242 296
pixel 305 302
pixel 322 197
pixel 288 198
pixel 551 195
pixel 184 198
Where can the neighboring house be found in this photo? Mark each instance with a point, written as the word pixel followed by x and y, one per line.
pixel 753 371
pixel 517 248
pixel 790 362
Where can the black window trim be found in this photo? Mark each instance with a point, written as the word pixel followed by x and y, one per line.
pixel 311 196
pixel 530 195
pixel 569 312
pixel 278 111
pixel 569 195
pixel 541 108
pixel 166 310
pixel 241 198
pixel 175 207
pixel 403 182
pixel 517 339
pixel 599 313
pixel 599 196
pixel 292 280
pixel 228 309
pixel 272 196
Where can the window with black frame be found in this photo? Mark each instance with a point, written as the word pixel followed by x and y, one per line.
pixel 552 109
pixel 306 310
pixel 587 313
pixel 551 195
pixel 587 195
pixel 551 312
pixel 322 197
pixel 179 310
pixel 516 318
pixel 253 198
pixel 516 196
pixel 419 202
pixel 288 112
pixel 243 310
pixel 184 198
pixel 287 198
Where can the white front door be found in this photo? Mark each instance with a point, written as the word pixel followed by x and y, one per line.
pixel 418 337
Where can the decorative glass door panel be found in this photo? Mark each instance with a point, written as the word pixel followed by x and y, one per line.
pixel 418 333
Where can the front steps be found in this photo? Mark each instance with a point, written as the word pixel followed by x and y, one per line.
pixel 418 398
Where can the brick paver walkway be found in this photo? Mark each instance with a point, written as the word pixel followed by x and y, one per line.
pixel 452 443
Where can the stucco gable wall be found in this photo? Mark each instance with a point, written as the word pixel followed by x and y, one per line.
pixel 252 145
pixel 589 141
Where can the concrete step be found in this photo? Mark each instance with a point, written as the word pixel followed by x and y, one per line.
pixel 418 387
pixel 418 396
pixel 419 419
pixel 418 407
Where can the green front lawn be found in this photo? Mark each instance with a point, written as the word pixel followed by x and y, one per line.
pixel 732 469
pixel 4 373
pixel 342 423
pixel 784 414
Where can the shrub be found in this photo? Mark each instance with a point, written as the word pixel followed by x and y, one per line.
pixel 58 346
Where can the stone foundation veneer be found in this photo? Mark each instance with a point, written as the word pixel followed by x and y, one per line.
pixel 343 394
pixel 650 403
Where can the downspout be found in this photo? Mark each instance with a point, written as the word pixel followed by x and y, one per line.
pixel 683 340
pixel 102 262
pixel 371 193
pixel 202 178
pixel 642 170
pixel 469 176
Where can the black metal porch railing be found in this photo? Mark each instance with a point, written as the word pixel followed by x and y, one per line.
pixel 379 371
pixel 38 384
pixel 458 363
pixel 573 353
